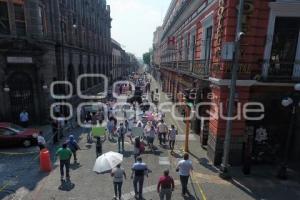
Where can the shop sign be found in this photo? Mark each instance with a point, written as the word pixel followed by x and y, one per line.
pixel 19 60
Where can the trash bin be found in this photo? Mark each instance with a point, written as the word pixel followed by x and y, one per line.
pixel 45 161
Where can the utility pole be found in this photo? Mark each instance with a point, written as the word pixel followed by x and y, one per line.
pixel 224 173
pixel 187 128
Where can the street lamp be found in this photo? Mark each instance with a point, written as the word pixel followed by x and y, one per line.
pixel 293 103
pixel 224 172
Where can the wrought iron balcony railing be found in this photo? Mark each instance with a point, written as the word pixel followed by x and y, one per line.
pixel 281 71
pixel 197 67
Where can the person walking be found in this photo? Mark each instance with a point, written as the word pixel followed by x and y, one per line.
pixel 41 141
pixel 184 167
pixel 110 128
pixel 73 146
pixel 172 137
pixel 165 186
pixel 118 173
pixel 150 137
pixel 128 130
pixel 137 148
pixel 61 126
pixel 121 134
pixel 162 132
pixel 24 118
pixel 64 154
pixel 139 170
pixel 99 141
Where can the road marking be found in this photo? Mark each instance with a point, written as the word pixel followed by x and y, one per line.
pixel 148 189
pixel 164 161
pixel 206 178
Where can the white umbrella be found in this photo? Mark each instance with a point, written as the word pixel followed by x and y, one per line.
pixel 107 161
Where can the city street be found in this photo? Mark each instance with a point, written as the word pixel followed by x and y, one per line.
pixel 223 75
pixel 26 182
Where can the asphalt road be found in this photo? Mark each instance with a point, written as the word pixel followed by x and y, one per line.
pixel 21 178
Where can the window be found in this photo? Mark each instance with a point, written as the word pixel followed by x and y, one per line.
pixel 4 20
pixel 6 132
pixel 43 20
pixel 208 37
pixel 20 19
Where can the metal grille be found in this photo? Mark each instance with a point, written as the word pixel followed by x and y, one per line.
pixel 21 95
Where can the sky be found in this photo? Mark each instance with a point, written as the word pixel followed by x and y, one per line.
pixel 134 21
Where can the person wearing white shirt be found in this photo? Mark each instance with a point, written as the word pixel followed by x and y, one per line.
pixel 162 132
pixel 24 118
pixel 41 141
pixel 184 167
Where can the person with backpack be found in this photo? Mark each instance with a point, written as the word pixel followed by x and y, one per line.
pixel 73 146
pixel 121 134
pixel 139 170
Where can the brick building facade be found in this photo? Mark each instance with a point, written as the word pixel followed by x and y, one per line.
pixel 46 40
pixel 196 53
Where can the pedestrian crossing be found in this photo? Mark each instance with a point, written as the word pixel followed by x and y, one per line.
pixel 164 161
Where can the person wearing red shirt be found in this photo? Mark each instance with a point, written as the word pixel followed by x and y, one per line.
pixel 165 186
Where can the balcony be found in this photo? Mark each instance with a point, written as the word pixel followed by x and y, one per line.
pixel 197 68
pixel 284 71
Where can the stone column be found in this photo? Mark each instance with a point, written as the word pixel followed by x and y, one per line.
pixel 217 126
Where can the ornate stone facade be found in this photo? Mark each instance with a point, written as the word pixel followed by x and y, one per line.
pixel 46 40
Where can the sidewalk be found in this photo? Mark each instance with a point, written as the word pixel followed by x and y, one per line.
pixel 260 184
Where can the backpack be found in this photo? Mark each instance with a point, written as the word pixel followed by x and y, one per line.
pixel 122 131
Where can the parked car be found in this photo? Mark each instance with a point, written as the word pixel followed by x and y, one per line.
pixel 14 135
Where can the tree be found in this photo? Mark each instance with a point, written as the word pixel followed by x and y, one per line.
pixel 146 58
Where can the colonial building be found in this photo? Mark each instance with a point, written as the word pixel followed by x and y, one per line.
pixel 154 67
pixel 116 59
pixel 197 52
pixel 121 65
pixel 46 40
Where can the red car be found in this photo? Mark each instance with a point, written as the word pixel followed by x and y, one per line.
pixel 14 135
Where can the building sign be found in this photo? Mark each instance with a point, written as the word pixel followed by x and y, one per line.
pixel 19 60
pixel 220 30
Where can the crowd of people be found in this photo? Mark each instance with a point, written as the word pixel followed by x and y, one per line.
pixel 118 131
